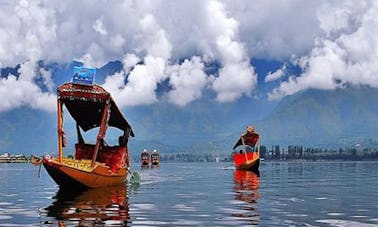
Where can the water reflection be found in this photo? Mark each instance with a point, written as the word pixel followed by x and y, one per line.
pixel 103 206
pixel 246 185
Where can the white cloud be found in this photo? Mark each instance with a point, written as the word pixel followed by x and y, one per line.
pixel 272 76
pixel 188 80
pixel 142 83
pixel 155 35
pixel 129 61
pixel 236 77
pixel 68 30
pixel 98 26
pixel 154 38
pixel 142 79
pixel 23 91
pixel 234 80
pixel 348 54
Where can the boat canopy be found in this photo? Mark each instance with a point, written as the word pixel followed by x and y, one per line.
pixel 86 105
pixel 249 139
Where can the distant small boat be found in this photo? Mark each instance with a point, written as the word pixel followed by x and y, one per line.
pixel 35 160
pixel 145 158
pixel 94 165
pixel 155 158
pixel 248 157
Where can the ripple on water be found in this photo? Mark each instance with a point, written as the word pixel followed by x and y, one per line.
pixel 5 217
pixel 342 223
pixel 145 206
pixel 335 214
pixel 182 207
pixel 5 203
pixel 148 223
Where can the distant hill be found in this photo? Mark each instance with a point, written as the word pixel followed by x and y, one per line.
pixel 27 131
pixel 338 117
pixel 314 118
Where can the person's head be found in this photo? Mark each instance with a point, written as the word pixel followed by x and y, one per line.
pixel 250 128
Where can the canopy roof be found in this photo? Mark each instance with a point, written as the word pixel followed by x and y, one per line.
pixel 86 104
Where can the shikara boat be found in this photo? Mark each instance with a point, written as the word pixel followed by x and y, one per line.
pixel 35 160
pixel 246 153
pixel 145 158
pixel 155 158
pixel 94 165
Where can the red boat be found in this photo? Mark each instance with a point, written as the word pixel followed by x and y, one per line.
pixel 94 165
pixel 247 156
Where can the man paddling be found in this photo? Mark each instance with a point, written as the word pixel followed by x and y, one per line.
pixel 250 137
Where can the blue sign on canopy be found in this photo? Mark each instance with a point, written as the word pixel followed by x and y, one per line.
pixel 83 75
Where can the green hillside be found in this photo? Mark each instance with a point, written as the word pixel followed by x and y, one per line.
pixel 323 118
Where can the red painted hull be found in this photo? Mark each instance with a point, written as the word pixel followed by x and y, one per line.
pixel 247 161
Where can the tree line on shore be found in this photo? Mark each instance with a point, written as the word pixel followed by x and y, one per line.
pixel 292 152
pixel 299 152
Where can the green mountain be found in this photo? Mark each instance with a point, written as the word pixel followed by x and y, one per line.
pixel 323 118
pixel 27 131
pixel 314 118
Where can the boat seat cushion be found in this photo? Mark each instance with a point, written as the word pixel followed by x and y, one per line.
pixel 112 156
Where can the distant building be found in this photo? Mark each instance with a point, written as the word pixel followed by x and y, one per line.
pixel 10 158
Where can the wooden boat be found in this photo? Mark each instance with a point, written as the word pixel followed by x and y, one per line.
pixel 94 165
pixel 35 160
pixel 248 157
pixel 155 158
pixel 145 158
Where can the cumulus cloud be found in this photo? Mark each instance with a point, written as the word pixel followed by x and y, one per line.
pixel 98 26
pixel 142 83
pixel 272 76
pixel 23 91
pixel 346 55
pixel 143 79
pixel 333 42
pixel 236 77
pixel 187 80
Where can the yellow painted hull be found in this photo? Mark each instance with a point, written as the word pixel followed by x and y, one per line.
pixel 80 174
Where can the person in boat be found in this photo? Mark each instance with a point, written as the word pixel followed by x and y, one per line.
pixel 123 140
pixel 250 137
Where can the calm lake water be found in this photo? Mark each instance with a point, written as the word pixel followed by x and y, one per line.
pixel 200 194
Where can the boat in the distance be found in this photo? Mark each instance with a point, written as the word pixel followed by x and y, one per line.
pixel 155 158
pixel 246 153
pixel 145 158
pixel 94 165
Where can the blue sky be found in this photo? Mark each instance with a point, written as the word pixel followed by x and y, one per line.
pixel 331 43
